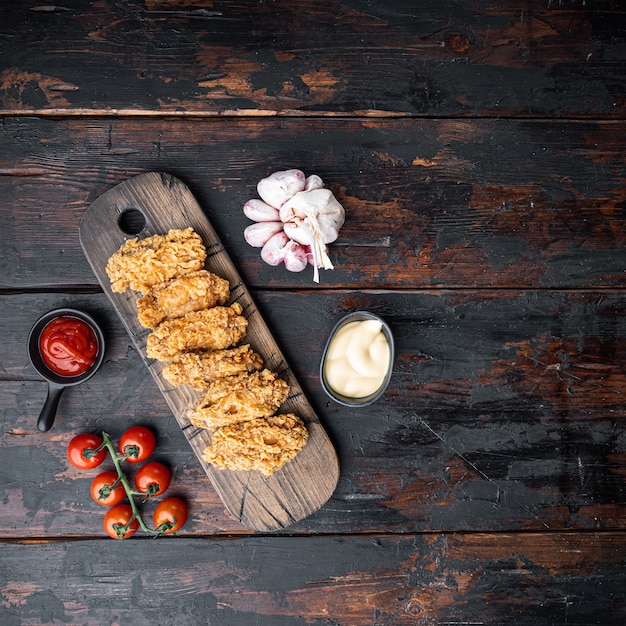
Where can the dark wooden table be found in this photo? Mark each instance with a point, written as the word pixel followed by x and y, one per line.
pixel 478 149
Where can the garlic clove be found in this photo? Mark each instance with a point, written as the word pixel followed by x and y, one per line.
pixel 259 211
pixel 313 182
pixel 298 231
pixel 277 188
pixel 273 252
pixel 295 257
pixel 258 234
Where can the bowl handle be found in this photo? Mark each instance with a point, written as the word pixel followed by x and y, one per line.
pixel 48 412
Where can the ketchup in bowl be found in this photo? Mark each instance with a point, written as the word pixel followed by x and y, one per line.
pixel 68 346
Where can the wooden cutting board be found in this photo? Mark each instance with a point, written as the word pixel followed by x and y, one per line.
pixel 163 202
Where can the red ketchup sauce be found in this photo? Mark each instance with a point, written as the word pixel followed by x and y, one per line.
pixel 68 346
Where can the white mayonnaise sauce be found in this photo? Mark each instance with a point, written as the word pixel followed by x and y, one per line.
pixel 357 359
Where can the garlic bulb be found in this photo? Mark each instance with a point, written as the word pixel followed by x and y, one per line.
pixel 295 218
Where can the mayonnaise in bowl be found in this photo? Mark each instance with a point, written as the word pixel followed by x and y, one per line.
pixel 357 361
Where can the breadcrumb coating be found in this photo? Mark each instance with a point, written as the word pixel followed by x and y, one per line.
pixel 264 444
pixel 181 295
pixel 209 329
pixel 239 398
pixel 140 264
pixel 200 369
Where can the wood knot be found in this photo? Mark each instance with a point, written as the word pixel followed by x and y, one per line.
pixel 413 607
pixel 424 255
pixel 458 42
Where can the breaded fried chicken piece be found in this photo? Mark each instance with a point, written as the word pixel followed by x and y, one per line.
pixel 199 369
pixel 140 264
pixel 239 398
pixel 181 295
pixel 209 329
pixel 263 444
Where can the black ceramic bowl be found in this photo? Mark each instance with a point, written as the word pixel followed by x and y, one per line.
pixel 56 382
pixel 358 316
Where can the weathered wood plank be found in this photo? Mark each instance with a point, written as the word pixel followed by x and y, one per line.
pixel 427 58
pixel 504 412
pixel 529 579
pixel 478 203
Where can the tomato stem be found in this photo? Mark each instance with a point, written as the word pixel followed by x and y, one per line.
pixel 129 492
pixel 165 526
pixel 130 452
pixel 89 453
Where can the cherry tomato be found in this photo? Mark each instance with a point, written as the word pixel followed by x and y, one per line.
pixel 116 522
pixel 102 492
pixel 170 515
pixel 81 451
pixel 152 479
pixel 137 444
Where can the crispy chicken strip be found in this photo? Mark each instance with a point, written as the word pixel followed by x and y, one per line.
pixel 209 329
pixel 200 369
pixel 181 295
pixel 263 444
pixel 140 264
pixel 239 398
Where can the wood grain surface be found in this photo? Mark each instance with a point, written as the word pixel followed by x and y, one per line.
pixel 429 203
pixel 523 58
pixel 478 150
pixel 509 424
pixel 390 579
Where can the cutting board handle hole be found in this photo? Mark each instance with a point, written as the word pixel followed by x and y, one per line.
pixel 131 221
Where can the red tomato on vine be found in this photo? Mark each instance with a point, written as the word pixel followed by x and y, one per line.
pixel 170 515
pixel 152 479
pixel 116 522
pixel 86 451
pixel 137 444
pixel 103 492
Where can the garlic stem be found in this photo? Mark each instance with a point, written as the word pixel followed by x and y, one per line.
pixel 318 248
